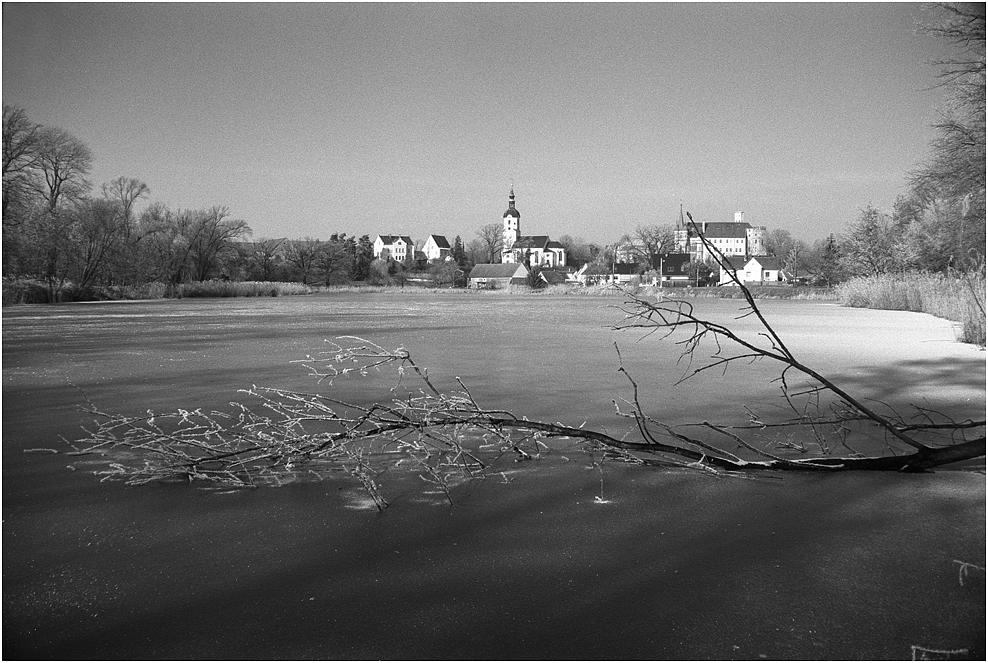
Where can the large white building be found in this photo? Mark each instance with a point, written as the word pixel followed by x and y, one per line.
pixel 737 238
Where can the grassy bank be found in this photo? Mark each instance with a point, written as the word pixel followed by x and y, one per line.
pixel 958 298
pixel 27 291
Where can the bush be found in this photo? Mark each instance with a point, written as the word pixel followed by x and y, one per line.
pixel 24 291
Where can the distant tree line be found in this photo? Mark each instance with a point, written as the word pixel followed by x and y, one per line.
pixel 57 230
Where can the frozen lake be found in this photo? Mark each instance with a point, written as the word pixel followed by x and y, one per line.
pixel 676 565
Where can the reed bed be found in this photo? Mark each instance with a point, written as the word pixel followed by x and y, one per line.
pixel 956 297
pixel 29 291
pixel 240 289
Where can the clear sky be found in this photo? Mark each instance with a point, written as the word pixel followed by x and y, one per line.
pixel 416 118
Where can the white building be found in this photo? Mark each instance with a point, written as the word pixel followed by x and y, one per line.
pixel 399 248
pixel 534 250
pixel 437 248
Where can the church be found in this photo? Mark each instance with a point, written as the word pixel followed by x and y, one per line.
pixel 533 250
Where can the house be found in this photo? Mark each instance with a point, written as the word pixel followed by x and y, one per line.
pixel 399 248
pixel 437 247
pixel 620 273
pixel 553 277
pixel 498 275
pixel 731 267
pixel 764 269
pixel 672 266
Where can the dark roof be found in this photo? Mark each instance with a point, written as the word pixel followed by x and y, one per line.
pixel 554 245
pixel 733 266
pixel 512 212
pixel 552 277
pixel 440 241
pixel 626 268
pixel 531 242
pixel 768 262
pixel 391 239
pixel 721 229
pixel 671 263
pixel 498 270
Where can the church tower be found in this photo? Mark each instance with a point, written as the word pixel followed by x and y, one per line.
pixel 512 223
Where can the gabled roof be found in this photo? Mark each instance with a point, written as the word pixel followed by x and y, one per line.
pixel 499 270
pixel 391 239
pixel 767 262
pixel 670 263
pixel 552 277
pixel 531 242
pixel 554 245
pixel 440 241
pixel 734 265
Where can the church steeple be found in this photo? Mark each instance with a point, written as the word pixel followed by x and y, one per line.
pixel 512 225
pixel 511 205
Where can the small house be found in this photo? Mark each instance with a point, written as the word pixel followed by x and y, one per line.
pixel 672 266
pixel 764 269
pixel 437 247
pixel 498 275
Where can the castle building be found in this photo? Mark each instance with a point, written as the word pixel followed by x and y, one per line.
pixel 534 250
pixel 737 238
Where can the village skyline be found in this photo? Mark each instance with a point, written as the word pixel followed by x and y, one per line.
pixel 308 120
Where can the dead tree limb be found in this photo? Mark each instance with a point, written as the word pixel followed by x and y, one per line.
pixel 447 436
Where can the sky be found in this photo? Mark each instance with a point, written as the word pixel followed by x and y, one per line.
pixel 414 119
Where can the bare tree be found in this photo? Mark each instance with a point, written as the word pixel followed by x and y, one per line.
pixel 335 261
pixel 963 26
pixel 265 258
pixel 954 173
pixel 126 191
pixel 447 436
pixel 20 159
pixel 98 229
pixel 650 241
pixel 492 239
pixel 210 234
pixel 64 162
pixel 871 245
pixel 300 255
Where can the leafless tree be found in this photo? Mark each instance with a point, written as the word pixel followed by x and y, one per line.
pixel 955 169
pixel 98 229
pixel 492 238
pixel 335 261
pixel 301 256
pixel 64 162
pixel 963 26
pixel 126 191
pixel 211 233
pixel 871 244
pixel 266 258
pixel 20 159
pixel 650 241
